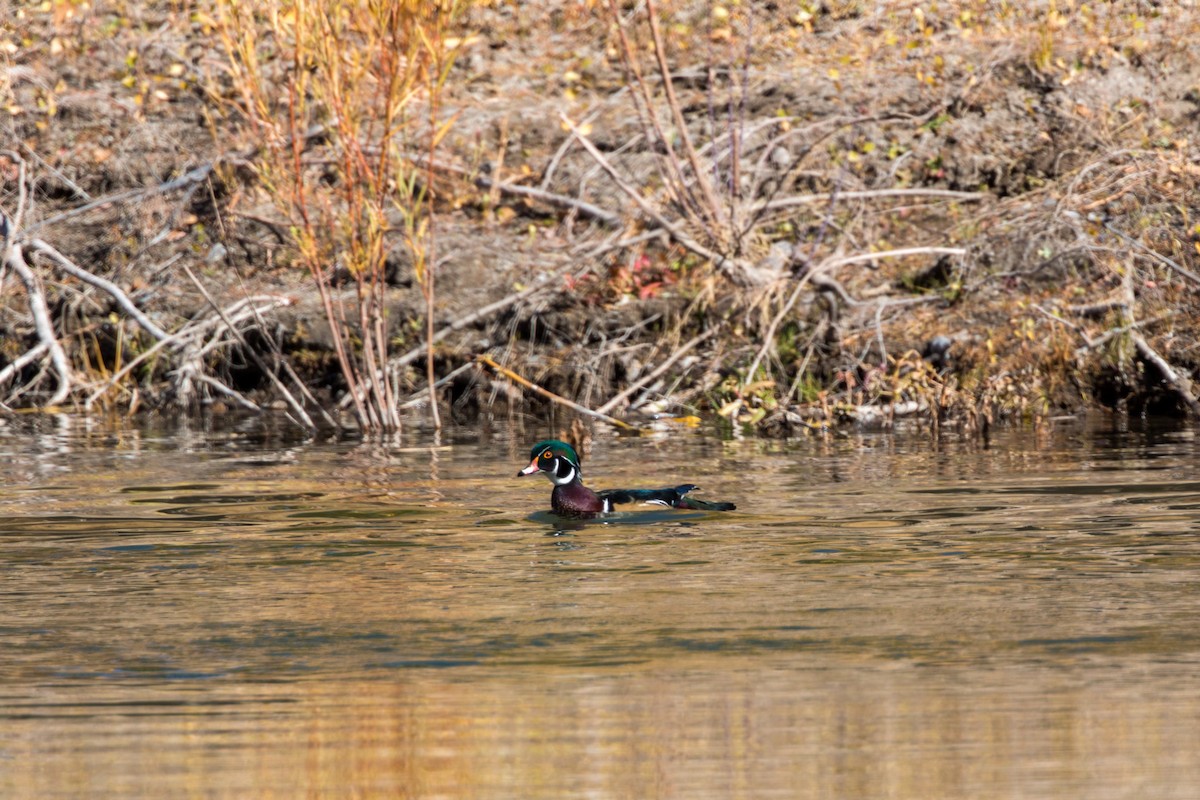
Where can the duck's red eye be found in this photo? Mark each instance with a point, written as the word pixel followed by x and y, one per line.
pixel 546 454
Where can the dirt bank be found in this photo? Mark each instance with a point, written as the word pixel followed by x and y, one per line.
pixel 859 212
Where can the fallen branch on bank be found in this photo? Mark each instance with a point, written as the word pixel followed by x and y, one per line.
pixel 189 347
pixel 302 416
pixel 819 274
pixel 551 396
pixel 15 260
pixel 551 198
pixel 1180 383
pixel 667 364
pixel 105 285
pixel 736 270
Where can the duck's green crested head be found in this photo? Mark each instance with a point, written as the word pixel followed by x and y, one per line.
pixel 558 460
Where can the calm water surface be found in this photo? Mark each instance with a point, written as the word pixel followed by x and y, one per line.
pixel 229 614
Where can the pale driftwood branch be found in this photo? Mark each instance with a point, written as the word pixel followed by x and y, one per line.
pixel 675 356
pixel 20 362
pixel 288 398
pixel 15 260
pixel 549 395
pixel 422 396
pixel 873 194
pixel 1180 383
pixel 732 268
pixel 117 294
pixel 825 266
pixel 221 388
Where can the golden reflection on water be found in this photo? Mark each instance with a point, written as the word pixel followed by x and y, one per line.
pixel 212 615
pixel 701 732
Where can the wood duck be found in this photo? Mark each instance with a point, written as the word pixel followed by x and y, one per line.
pixel 558 462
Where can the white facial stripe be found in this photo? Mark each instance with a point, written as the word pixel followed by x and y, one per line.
pixel 562 480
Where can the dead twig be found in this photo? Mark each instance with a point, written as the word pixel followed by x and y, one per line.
pixel 1180 383
pixel 1184 271
pixel 229 392
pixel 293 404
pixel 20 362
pixel 733 268
pixel 549 395
pixel 675 356
pixel 873 194
pixel 114 291
pixel 1107 336
pixel 551 198
pixel 423 396
pixel 15 260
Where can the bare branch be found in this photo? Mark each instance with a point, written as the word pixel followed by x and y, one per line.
pixel 20 362
pixel 288 398
pixel 549 395
pixel 675 356
pixel 872 194
pixel 1180 383
pixel 69 267
pixel 551 198
pixel 733 268
pixel 41 318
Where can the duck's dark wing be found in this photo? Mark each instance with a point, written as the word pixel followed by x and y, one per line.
pixel 675 498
